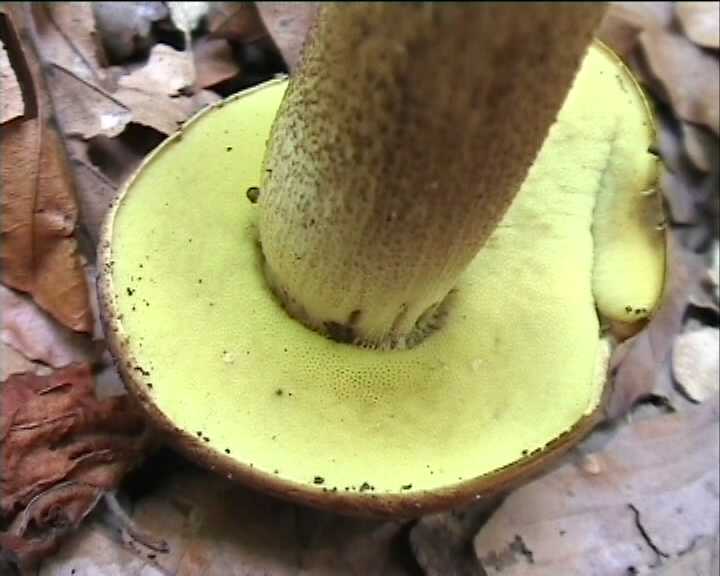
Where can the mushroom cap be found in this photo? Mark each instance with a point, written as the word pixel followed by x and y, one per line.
pixel 514 377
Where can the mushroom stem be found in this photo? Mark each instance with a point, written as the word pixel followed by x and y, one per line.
pixel 398 147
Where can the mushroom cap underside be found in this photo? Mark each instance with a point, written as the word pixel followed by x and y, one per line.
pixel 515 375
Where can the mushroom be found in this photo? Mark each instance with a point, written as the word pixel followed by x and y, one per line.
pixel 390 284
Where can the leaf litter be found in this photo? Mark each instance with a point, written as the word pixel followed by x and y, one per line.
pixel 62 450
pixel 38 251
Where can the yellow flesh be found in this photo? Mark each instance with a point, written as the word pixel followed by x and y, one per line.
pixel 518 362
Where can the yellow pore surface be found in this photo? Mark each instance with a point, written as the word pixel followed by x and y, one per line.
pixel 519 361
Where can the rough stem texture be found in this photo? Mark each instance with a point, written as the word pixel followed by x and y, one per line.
pixel 400 144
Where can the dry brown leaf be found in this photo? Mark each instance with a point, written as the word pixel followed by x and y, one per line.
pixel 216 528
pixel 55 430
pixel 38 253
pixel 62 449
pixel 700 22
pixel 648 497
pixel 624 21
pixel 12 362
pixel 95 190
pixel 84 109
pixel 153 92
pixel 235 21
pixel 57 511
pixel 214 62
pixel 161 112
pixel 11 100
pixel 696 365
pixel 125 27
pixel 67 38
pixel 168 72
pixel 288 24
pixel 103 164
pixel 38 337
pixel 689 76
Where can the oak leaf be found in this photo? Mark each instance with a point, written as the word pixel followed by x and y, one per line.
pixel 38 252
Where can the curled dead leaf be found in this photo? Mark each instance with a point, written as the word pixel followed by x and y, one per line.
pixel 701 22
pixel 58 510
pixel 62 449
pixel 689 76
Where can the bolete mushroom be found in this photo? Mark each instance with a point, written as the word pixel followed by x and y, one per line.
pixel 385 286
